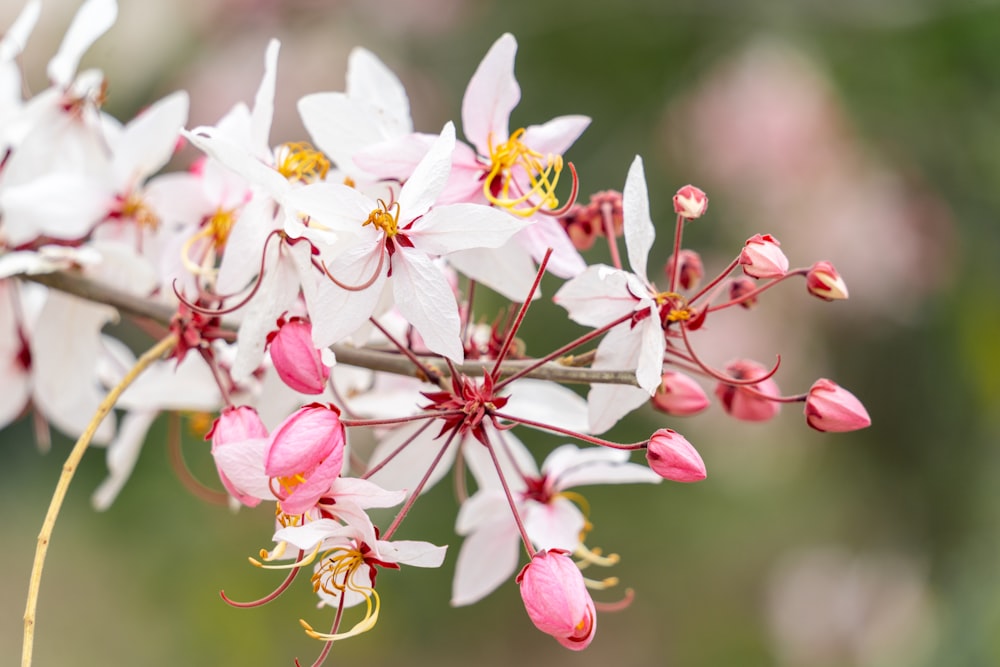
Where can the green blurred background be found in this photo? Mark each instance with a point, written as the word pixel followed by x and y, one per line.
pixel 866 133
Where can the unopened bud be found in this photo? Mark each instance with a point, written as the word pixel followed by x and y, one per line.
pixel 752 402
pixel 556 598
pixel 672 457
pixel 830 407
pixel 295 358
pixel 679 395
pixel 690 202
pixel 691 271
pixel 824 281
pixel 580 226
pixel 762 258
pixel 606 211
pixel 739 288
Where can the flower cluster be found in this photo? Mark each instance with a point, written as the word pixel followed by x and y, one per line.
pixel 313 289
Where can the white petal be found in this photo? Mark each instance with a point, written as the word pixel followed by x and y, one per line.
pixel 148 142
pixel 235 157
pixel 554 525
pixel 340 126
pixel 424 186
pixel 62 205
pixel 91 21
pixel 13 41
pixel 600 295
pixel 491 95
pixel 610 402
pixel 548 403
pixel 242 462
pixel 545 233
pixel 507 270
pixel 337 313
pixel 369 80
pixel 515 461
pixel 572 466
pixel 462 226
pixel 639 232
pixel 263 104
pixel 556 136
pixel 65 366
pixel 122 455
pixel 406 468
pixel 332 206
pixel 412 552
pixel 424 297
pixel 487 558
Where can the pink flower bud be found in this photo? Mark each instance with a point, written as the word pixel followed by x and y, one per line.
pixel 741 286
pixel 691 272
pixel 830 407
pixel 690 202
pixel 304 455
pixel 679 395
pixel 824 281
pixel 672 457
pixel 295 358
pixel 606 207
pixel 556 599
pixel 749 402
pixel 762 258
pixel 237 435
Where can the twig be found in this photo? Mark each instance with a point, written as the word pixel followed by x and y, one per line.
pixel 69 468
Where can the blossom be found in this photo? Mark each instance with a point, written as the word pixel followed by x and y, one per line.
pixel 556 599
pixel 347 557
pixel 304 454
pixel 602 295
pixel 542 499
pixel 830 407
pixel 398 239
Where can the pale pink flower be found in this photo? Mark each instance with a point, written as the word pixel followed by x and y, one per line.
pixel 602 294
pixel 489 553
pixel 748 402
pixel 762 258
pixel 304 454
pixel 239 438
pixel 556 599
pixel 672 457
pixel 680 395
pixel 690 202
pixel 398 238
pixel 830 407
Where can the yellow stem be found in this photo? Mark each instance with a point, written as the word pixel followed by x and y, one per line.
pixel 69 468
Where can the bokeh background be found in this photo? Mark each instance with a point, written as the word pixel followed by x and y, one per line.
pixel 866 133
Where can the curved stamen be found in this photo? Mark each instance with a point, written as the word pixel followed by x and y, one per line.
pixel 721 377
pixel 267 598
pixel 617 606
pixel 562 210
pixel 370 281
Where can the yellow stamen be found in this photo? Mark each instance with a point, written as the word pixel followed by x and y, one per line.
pixel 198 422
pixel 385 217
pixel 602 584
pixel 589 557
pixel 336 577
pixel 135 207
pixel 542 172
pixel 298 161
pixel 680 313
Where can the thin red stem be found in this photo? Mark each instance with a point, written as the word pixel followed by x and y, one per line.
pixel 267 598
pixel 512 330
pixel 510 500
pixel 419 487
pixel 573 434
pixel 678 232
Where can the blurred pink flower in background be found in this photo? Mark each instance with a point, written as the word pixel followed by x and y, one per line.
pixel 827 606
pixel 769 135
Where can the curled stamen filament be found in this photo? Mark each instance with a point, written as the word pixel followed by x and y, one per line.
pixel 543 176
pixel 593 557
pixel 367 283
pixel 278 553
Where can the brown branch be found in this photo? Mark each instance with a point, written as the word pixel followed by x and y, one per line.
pixel 568 371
